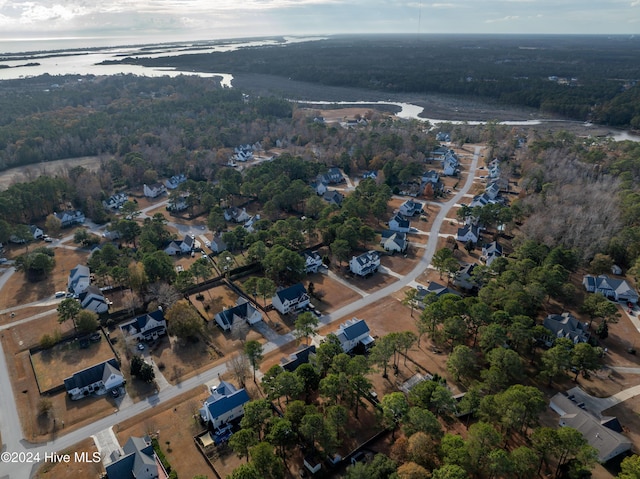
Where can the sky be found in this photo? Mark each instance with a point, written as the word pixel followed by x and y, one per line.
pixel 173 20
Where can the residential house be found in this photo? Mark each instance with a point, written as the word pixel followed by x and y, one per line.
pixel 443 136
pixel 468 233
pixel 189 243
pixel 370 174
pixel 139 461
pixel 464 277
pixel 242 311
pixel 175 181
pixel 153 191
pixel 333 198
pixel 298 358
pixel 613 288
pixel 114 202
pixel 481 200
pixel 433 288
pixel 98 379
pixel 79 279
pixel 173 249
pixel 320 187
pixel 566 326
pixel 352 333
pixel 243 153
pixel 290 299
pixel 602 433
pixel 70 218
pixel 492 190
pixel 111 235
pixel 177 204
pixel 450 165
pixel 439 153
pixel 394 241
pixel 146 327
pixel 248 225
pixel 236 214
pixel 93 300
pixel 217 244
pixel 411 208
pixel 432 178
pixel 365 264
pixel 490 252
pixel 399 223
pixel 36 232
pixel 312 260
pixel 331 177
pixel 223 405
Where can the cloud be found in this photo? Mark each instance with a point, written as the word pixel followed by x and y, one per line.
pixel 508 18
pixel 635 3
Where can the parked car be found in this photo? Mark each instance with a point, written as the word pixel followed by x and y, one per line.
pixel 60 294
pixel 141 346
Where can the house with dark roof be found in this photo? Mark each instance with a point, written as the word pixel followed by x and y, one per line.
pixel 492 190
pixel 223 405
pixel 433 288
pixel 70 218
pixel 399 223
pixel 242 311
pixel 565 325
pixel 333 197
pixel 145 327
pixel 299 357
pixel 331 177
pixel 36 232
pixel 602 433
pixel 464 277
pixel 394 241
pixel 481 200
pixel 173 249
pixel 411 208
pixel 93 300
pixel 365 264
pixel 175 181
pixel 290 299
pixel 613 288
pixel 443 136
pixel 320 187
pixel 450 164
pixel 139 461
pixel 217 244
pixel 79 279
pixel 352 333
pixel 312 261
pixel 189 243
pixel 370 174
pixel 114 202
pixel 490 252
pixel 98 379
pixel 236 214
pixel 468 233
pixel 153 191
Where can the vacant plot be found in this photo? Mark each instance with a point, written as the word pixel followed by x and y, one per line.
pixel 73 469
pixel 19 290
pixel 372 283
pixel 401 264
pixel 330 294
pixel 52 366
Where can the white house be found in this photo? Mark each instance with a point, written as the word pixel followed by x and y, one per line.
pixel 468 233
pixel 365 264
pixel 36 232
pixel 331 177
pixel 153 191
pixel 138 460
pixel 115 201
pixel 217 244
pixel 370 174
pixel 243 311
pixel 319 187
pixel 225 403
pixel 490 252
pixel 93 300
pixel 353 332
pixel 566 326
pixel 410 208
pixel 291 298
pixel 236 214
pixel 175 181
pixel 172 249
pixel 146 327
pixel 612 288
pixel 98 379
pixel 312 261
pixel 189 243
pixel 79 279
pixel 70 217
pixel 399 223
pixel 248 225
pixel 450 165
pixel 394 241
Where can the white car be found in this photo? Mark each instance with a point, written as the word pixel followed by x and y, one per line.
pixel 141 346
pixel 60 294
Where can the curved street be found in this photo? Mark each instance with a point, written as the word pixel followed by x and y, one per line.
pixel 10 427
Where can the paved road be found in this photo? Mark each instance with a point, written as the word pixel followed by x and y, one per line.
pixel 10 424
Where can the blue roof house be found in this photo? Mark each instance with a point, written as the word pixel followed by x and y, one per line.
pixel 225 403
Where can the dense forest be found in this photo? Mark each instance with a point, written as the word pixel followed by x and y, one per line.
pixel 582 77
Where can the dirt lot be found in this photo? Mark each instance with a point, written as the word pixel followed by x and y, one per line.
pixel 22 174
pixel 53 365
pixel 334 294
pixel 19 291
pixel 73 469
pixel 401 265
pixel 174 423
